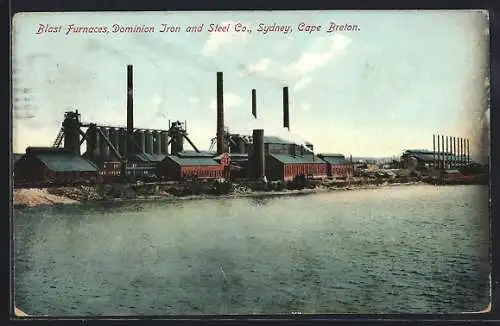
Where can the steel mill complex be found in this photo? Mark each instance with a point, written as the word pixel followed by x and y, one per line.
pixel 130 153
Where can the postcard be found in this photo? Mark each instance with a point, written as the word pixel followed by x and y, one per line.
pixel 250 163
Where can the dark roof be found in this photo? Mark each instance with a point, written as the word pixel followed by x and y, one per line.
pixel 334 158
pixel 233 156
pixel 207 161
pixel 430 157
pixel 196 154
pixel 64 162
pixel 37 150
pixel 289 159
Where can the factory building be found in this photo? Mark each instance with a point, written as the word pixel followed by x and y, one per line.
pixel 187 165
pixel 337 166
pixel 49 165
pixel 285 160
pixel 111 172
pixel 286 167
pixel 422 159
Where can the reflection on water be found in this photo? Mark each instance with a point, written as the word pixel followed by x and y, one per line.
pixel 402 249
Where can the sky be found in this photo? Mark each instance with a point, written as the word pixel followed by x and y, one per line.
pixel 387 84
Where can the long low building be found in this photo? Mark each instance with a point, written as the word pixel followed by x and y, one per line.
pixel 40 165
pixel 286 166
pixel 189 165
pixel 421 159
pixel 337 166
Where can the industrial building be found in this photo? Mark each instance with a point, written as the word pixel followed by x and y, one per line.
pixel 129 153
pixel 422 159
pixel 189 166
pixel 337 166
pixel 45 165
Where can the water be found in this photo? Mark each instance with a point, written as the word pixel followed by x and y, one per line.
pixel 414 249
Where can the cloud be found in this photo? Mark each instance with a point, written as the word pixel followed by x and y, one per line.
pixel 193 100
pixel 305 107
pixel 302 83
pixel 319 53
pixel 260 67
pixel 316 58
pixel 231 100
pixel 217 39
pixel 156 100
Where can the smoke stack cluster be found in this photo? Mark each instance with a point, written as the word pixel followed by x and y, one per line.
pixel 451 152
pixel 130 108
pixel 220 113
pixel 286 112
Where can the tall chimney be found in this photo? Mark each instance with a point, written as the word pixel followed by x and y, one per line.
pixel 438 152
pixel 442 151
pixel 130 109
pixel 259 159
pixel 254 103
pixel 454 152
pixel 468 152
pixel 220 113
pixel 451 153
pixel 286 113
pixel 446 157
pixel 461 151
pixel 434 150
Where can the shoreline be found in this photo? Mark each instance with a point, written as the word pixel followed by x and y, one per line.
pixel 30 198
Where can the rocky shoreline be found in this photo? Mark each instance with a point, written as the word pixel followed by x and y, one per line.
pixel 173 192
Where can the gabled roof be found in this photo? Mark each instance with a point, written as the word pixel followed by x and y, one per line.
pixel 334 159
pixel 195 154
pixel 193 161
pixel 233 156
pixel 290 159
pixel 60 159
pixel 65 162
pixel 430 157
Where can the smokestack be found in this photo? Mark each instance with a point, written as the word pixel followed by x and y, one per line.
pixel 434 150
pixel 446 157
pixel 286 112
pixel 455 149
pixel 468 152
pixel 438 152
pixel 461 151
pixel 220 113
pixel 130 108
pixel 451 153
pixel 442 151
pixel 254 103
pixel 258 154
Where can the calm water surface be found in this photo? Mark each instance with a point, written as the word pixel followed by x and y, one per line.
pixel 402 249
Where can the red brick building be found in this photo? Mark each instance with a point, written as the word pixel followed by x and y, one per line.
pixel 337 166
pixel 174 167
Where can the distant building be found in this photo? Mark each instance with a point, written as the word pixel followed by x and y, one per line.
pixel 423 159
pixel 53 165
